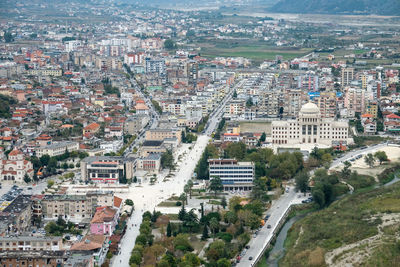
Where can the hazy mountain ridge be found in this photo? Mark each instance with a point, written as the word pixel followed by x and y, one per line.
pixel 381 7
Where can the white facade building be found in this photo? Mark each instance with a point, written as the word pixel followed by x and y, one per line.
pixel 310 128
pixel 235 176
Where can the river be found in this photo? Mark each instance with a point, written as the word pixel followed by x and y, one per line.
pixel 278 251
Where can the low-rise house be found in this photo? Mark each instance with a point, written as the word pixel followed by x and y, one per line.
pixel 104 221
pixel 96 244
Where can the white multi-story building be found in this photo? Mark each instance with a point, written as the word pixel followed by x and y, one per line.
pixel 235 176
pixel 310 128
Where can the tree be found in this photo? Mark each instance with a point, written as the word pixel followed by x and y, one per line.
pixel 346 170
pixel 215 185
pixel 45 160
pixel 27 179
pixel 214 225
pixel 50 183
pixel 319 197
pixel 381 156
pixel 167 160
pixel 301 181
pixel 169 229
pixel 8 37
pixel 190 260
pixel 249 102
pixel 190 185
pixel 205 235
pixel 235 151
pixel 182 213
pixel 169 44
pixel 263 137
pixel 129 202
pixel 183 198
pixel 35 177
pixel 223 202
pixel 216 251
pixel 186 189
pixel 223 263
pixel 369 160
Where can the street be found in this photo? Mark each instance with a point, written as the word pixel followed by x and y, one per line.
pixel 146 197
pixel 276 212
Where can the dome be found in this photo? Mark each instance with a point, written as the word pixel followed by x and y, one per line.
pixel 309 108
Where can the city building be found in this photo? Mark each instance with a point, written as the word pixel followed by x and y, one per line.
pixel 161 134
pixel 235 175
pixel 16 217
pixel 15 167
pixel 56 149
pixel 107 169
pixel 150 163
pixel 75 208
pixel 309 128
pixel 347 76
pixel 33 258
pixel 27 242
pixel 104 221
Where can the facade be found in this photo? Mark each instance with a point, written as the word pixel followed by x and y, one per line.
pixel 33 258
pixel 135 124
pixel 150 163
pixel 155 66
pixel 107 169
pixel 52 243
pixel 347 76
pixel 235 176
pixel 231 137
pixel 74 208
pixel 46 72
pixel 355 100
pixel 309 128
pixel 104 221
pixel 326 103
pixel 15 167
pixel 97 245
pixel 161 134
pixel 57 149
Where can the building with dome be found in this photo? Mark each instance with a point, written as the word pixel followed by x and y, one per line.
pixel 310 128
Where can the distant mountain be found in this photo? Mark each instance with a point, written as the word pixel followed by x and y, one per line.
pixel 379 7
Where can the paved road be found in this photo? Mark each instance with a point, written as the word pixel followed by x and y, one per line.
pixel 147 197
pixel 355 153
pixel 276 212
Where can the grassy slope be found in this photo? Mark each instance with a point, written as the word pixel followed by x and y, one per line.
pixel 345 222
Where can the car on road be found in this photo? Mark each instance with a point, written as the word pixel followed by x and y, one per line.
pixel 269 226
pixel 250 258
pixel 247 247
